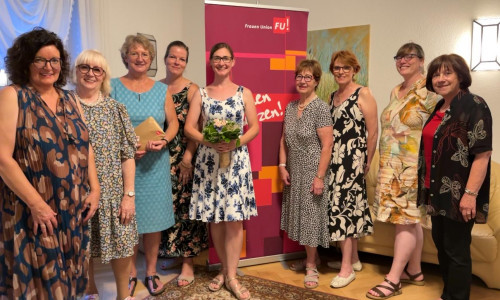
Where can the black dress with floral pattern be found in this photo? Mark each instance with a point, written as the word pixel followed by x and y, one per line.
pixel 187 237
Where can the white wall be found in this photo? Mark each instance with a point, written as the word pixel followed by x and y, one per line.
pixel 439 26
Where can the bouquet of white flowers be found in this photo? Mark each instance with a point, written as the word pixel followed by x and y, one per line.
pixel 216 131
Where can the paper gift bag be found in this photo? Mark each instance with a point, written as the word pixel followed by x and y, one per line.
pixel 148 130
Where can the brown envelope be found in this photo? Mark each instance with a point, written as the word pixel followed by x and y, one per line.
pixel 148 130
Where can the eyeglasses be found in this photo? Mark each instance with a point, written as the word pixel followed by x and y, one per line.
pixel 97 71
pixel 336 69
pixel 406 57
pixel 134 55
pixel 41 62
pixel 307 78
pixel 225 59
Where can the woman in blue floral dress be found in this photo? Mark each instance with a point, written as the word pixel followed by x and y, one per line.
pixel 223 196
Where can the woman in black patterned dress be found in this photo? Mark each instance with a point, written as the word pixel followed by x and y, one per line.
pixel 187 238
pixel 355 132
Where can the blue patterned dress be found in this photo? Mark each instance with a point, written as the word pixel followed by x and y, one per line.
pixel 222 194
pixel 52 151
pixel 153 190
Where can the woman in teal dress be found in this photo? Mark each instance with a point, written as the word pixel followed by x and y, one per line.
pixel 143 98
pixel 187 238
pixel 48 185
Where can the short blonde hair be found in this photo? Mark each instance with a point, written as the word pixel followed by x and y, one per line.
pixel 137 39
pixel 95 58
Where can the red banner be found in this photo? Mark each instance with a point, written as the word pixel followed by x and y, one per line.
pixel 268 43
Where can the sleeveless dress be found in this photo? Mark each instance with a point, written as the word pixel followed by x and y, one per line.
pixel 222 194
pixel 153 190
pixel 52 151
pixel 187 237
pixel 113 140
pixel 397 184
pixel 348 212
pixel 304 215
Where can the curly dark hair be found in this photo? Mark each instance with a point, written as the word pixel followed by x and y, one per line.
pixel 23 51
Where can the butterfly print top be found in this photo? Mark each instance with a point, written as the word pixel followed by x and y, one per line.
pixel 465 130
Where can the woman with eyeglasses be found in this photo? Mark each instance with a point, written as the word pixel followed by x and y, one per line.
pixel 144 97
pixel 113 229
pixel 454 170
pixel 187 238
pixel 396 195
pixel 48 186
pixel 355 131
pixel 223 196
pixel 305 149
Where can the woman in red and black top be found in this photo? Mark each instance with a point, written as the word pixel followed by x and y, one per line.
pixel 454 169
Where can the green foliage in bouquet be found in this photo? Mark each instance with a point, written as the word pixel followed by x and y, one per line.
pixel 216 131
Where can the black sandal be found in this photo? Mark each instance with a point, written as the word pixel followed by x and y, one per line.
pixel 155 285
pixel 130 280
pixel 412 278
pixel 393 288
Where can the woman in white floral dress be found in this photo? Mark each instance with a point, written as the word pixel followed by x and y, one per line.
pixel 223 196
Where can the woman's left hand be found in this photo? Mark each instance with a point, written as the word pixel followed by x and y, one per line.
pixel 155 146
pixel 225 147
pixel 185 172
pixel 127 209
pixel 317 186
pixel 91 204
pixel 468 207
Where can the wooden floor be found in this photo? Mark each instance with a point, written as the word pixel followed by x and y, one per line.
pixel 374 268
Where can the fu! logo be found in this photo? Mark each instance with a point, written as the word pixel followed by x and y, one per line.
pixel 281 25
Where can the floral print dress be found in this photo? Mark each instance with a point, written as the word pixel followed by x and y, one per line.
pixel 401 123
pixel 51 149
pixel 113 140
pixel 222 194
pixel 187 237
pixel 349 214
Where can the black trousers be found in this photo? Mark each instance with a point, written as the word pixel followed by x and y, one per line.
pixel 452 240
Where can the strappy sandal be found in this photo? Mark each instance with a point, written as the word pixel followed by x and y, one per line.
pixel 217 282
pixel 152 279
pixel 130 281
pixel 314 277
pixel 188 279
pixel 237 292
pixel 301 265
pixel 393 288
pixel 412 278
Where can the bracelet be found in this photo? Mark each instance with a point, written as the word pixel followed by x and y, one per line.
pixel 282 165
pixel 467 191
pixel 185 165
pixel 165 139
pixel 320 177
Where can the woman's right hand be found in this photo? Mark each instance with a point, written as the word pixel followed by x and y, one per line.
pixel 284 175
pixel 43 217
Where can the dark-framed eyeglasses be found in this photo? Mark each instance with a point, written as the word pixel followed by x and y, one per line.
pixel 225 59
pixel 336 69
pixel 307 78
pixel 84 69
pixel 40 62
pixel 406 57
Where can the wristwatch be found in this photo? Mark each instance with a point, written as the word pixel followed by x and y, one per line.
pixel 130 193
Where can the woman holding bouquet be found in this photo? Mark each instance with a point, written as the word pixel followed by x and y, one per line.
pixel 223 195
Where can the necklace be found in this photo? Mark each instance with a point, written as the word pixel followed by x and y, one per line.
pixel 87 103
pixel 302 106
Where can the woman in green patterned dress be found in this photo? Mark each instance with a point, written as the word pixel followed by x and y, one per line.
pixel 187 238
pixel 113 229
